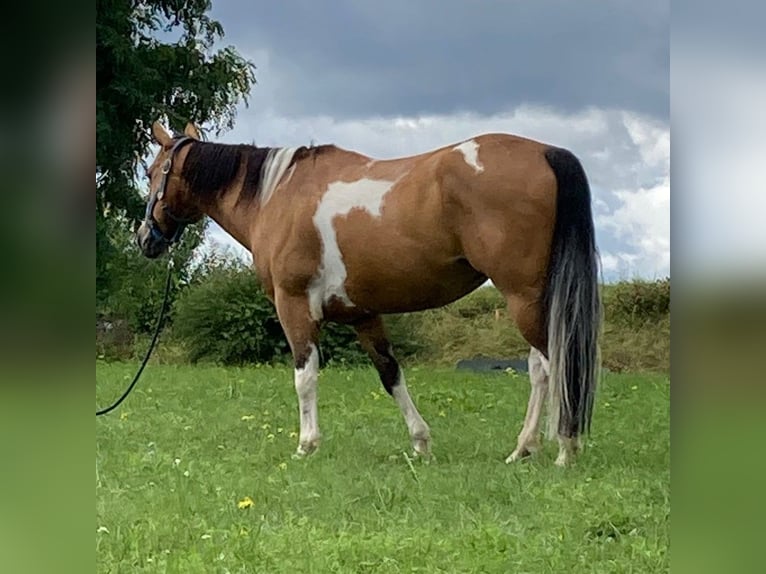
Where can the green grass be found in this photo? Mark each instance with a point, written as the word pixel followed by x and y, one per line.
pixel 191 442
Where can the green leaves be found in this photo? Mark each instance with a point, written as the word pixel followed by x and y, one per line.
pixel 226 318
pixel 142 78
pixel 637 302
pixel 131 288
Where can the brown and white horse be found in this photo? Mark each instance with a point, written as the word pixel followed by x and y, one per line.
pixel 338 236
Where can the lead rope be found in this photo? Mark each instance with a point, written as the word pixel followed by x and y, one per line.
pixel 149 351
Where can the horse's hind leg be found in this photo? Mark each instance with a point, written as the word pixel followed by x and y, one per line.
pixel 373 338
pixel 529 437
pixel 302 334
pixel 525 307
pixel 527 312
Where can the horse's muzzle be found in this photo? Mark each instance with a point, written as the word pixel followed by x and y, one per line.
pixel 152 245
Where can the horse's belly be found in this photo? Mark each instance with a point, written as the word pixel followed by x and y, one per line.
pixel 404 288
pixel 397 261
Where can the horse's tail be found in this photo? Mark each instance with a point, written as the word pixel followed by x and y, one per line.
pixel 572 301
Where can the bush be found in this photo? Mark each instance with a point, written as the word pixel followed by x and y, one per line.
pixel 404 330
pixel 637 302
pixel 483 301
pixel 339 344
pixel 114 340
pixel 228 319
pixel 135 288
pixel 225 317
pixel 131 289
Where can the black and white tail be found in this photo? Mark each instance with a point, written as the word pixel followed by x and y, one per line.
pixel 572 301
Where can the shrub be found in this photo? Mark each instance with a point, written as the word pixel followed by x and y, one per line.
pixel 339 344
pixel 404 330
pixel 637 302
pixel 228 319
pixel 137 284
pixel 114 340
pixel 225 317
pixel 483 301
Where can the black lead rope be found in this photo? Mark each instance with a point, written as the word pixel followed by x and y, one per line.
pixel 157 330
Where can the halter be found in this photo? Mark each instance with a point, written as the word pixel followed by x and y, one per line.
pixel 181 223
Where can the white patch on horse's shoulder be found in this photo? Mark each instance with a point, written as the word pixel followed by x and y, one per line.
pixel 274 167
pixel 339 200
pixel 470 150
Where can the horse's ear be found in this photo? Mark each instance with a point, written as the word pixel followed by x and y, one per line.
pixel 192 131
pixel 161 135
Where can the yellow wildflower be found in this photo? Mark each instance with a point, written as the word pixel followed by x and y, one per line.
pixel 246 502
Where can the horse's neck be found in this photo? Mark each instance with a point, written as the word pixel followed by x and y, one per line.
pixel 235 219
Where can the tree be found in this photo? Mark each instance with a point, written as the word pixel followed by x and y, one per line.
pixel 141 78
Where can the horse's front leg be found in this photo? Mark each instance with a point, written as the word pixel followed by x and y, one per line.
pixel 373 338
pixel 302 333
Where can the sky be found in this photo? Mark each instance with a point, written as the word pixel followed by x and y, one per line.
pixel 396 78
pixel 718 107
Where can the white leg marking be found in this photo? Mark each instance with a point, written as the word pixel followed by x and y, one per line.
pixel 529 441
pixel 470 150
pixel 306 388
pixel 419 431
pixel 340 198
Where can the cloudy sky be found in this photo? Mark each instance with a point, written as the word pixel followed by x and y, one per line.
pixel 400 77
pixel 719 126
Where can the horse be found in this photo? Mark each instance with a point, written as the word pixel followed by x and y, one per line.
pixel 339 236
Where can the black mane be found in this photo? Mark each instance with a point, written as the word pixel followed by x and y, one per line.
pixel 210 168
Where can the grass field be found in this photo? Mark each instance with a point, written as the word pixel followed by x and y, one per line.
pixel 194 474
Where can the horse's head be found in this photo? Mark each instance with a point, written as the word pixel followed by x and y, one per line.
pixel 170 207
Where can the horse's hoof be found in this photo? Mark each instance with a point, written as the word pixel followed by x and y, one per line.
pixel 563 459
pixel 517 456
pixel 421 448
pixel 521 453
pixel 305 450
pixel 425 458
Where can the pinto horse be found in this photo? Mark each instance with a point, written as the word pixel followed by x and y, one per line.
pixel 339 236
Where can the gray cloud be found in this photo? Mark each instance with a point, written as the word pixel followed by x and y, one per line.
pixel 361 59
pixel 732 25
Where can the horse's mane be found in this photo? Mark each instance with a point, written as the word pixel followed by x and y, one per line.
pixel 210 168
